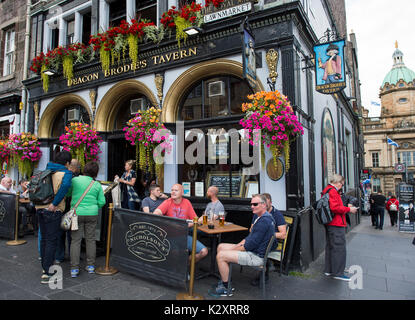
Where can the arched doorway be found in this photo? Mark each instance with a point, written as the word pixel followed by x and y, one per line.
pixel 58 114
pixel 118 106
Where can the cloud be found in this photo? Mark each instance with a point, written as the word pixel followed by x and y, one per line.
pixel 377 25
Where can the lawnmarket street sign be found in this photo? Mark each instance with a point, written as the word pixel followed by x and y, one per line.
pixel 226 10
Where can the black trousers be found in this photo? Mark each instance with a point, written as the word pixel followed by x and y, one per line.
pixel 394 217
pixel 335 255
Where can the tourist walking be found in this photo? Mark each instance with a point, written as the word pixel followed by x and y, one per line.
pixel 87 212
pixel 379 202
pixel 335 255
pixel 393 207
pixel 50 215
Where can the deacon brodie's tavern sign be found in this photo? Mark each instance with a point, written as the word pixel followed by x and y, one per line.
pixel 132 67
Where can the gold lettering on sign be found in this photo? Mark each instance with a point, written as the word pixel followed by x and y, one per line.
pixel 142 64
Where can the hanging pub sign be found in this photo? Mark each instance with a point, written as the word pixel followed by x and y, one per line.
pixel 330 71
pixel 248 56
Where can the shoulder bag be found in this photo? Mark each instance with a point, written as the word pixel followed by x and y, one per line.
pixel 70 219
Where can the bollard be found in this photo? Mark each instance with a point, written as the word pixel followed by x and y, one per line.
pixel 191 295
pixel 16 242
pixel 107 270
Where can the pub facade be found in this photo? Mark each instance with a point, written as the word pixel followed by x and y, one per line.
pixel 200 84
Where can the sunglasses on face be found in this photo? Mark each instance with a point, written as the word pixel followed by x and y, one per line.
pixel 255 204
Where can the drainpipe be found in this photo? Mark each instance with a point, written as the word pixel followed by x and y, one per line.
pixel 25 110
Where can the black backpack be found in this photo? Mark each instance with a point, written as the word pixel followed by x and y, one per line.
pixel 322 209
pixel 41 188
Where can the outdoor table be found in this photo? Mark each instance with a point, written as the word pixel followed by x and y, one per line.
pixel 215 234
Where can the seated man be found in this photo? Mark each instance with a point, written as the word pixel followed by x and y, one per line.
pixel 6 187
pixel 214 206
pixel 152 202
pixel 251 250
pixel 27 205
pixel 178 207
pixel 280 230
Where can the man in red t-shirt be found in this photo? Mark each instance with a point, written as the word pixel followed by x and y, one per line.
pixel 178 207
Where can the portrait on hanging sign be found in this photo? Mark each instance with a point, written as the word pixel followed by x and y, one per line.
pixel 330 71
pixel 249 58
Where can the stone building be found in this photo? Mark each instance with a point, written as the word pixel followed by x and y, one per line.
pixel 397 122
pixel 202 84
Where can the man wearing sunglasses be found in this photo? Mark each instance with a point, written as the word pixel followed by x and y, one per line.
pixel 250 251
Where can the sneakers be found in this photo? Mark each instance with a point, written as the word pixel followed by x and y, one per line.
pixel 327 274
pixel 220 283
pixel 74 273
pixel 90 269
pixel 45 278
pixel 343 278
pixel 220 291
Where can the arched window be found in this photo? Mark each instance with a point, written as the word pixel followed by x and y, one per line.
pixel 328 143
pixel 128 107
pixel 211 110
pixel 71 113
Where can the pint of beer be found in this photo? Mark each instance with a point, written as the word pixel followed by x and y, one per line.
pixel 205 219
pixel 221 219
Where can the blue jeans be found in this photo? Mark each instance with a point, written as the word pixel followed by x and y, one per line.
pixel 379 216
pixel 199 245
pixel 49 225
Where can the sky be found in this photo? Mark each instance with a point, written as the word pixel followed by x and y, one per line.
pixel 377 25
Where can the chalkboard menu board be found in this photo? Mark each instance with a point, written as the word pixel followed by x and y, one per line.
pixel 222 181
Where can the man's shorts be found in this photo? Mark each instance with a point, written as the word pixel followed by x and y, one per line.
pixel 199 245
pixel 247 258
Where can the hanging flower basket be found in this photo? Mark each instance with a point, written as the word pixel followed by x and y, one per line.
pixel 25 152
pixel 271 113
pixel 179 20
pixel 143 131
pixel 82 142
pixel 4 155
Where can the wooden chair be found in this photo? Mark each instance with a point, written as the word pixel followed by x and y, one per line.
pixel 278 253
pixel 262 268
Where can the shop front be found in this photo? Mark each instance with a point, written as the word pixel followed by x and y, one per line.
pixel 200 87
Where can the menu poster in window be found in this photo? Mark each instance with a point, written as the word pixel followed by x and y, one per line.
pixel 199 192
pixel 251 189
pixel 186 189
pixel 222 181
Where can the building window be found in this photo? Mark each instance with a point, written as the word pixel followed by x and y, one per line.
pixel 4 130
pixel 36 36
pixel 118 12
pixel 146 10
pixel 407 157
pixel 9 48
pixel 183 3
pixel 376 185
pixel 215 106
pixel 328 143
pixel 375 160
pixel 70 32
pixel 403 100
pixel 86 27
pixel 71 113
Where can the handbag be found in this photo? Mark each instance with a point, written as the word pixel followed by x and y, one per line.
pixel 69 217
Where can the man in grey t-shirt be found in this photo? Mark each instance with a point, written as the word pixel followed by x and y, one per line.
pixel 155 199
pixel 214 206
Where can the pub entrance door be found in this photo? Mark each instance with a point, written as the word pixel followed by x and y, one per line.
pixel 119 151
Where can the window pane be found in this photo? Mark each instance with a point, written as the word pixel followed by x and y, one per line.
pixel 146 10
pixel 118 12
pixel 70 31
pixel 239 92
pixel 86 27
pixel 192 106
pixel 216 98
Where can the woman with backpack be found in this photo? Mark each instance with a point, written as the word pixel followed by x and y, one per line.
pixel 127 181
pixel 393 207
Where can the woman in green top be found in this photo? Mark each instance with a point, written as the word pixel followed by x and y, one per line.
pixel 87 212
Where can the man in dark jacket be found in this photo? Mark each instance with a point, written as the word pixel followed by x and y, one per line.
pixel 50 215
pixel 379 202
pixel 251 250
pixel 335 255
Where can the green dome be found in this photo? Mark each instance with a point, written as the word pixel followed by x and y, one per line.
pixel 399 70
pixel 397 74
